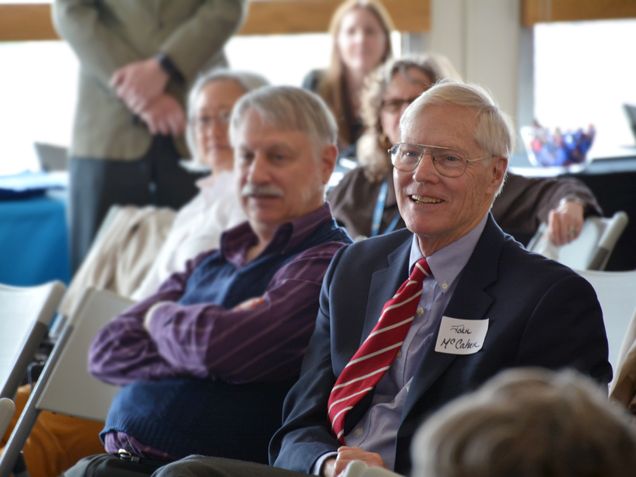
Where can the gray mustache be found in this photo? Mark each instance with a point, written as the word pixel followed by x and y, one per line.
pixel 261 190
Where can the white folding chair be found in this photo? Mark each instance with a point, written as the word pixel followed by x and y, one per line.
pixel 7 409
pixel 65 386
pixel 616 292
pixel 591 249
pixel 25 315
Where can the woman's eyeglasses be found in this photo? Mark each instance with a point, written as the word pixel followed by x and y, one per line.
pixel 395 105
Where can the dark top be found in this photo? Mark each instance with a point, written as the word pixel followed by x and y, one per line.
pixel 347 148
pixel 519 209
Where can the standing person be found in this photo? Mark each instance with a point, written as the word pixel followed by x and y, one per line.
pixel 410 320
pixel 206 361
pixel 364 201
pixel 361 41
pixel 137 60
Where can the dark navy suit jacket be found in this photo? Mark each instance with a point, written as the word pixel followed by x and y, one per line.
pixel 540 313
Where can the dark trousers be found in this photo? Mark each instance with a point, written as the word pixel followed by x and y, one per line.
pixel 97 184
pixel 201 466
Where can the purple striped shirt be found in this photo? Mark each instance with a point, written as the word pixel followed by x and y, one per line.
pixel 262 343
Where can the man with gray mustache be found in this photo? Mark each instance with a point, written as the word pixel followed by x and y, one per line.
pixel 206 361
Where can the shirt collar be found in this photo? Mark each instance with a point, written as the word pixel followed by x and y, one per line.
pixel 236 242
pixel 448 262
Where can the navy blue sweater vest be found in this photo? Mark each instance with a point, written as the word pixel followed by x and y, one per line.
pixel 183 416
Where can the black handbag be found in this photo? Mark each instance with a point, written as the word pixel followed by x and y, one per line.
pixel 116 465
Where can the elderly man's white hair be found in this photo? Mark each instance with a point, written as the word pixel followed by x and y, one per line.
pixel 493 132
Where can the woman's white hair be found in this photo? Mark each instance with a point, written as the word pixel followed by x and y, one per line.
pixel 373 144
pixel 247 80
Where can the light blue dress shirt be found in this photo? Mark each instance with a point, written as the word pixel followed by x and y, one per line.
pixel 377 431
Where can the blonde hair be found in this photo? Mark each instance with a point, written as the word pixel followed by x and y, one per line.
pixel 528 423
pixel 373 144
pixel 332 85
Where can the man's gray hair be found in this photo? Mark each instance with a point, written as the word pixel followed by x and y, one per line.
pixel 493 132
pixel 247 80
pixel 288 108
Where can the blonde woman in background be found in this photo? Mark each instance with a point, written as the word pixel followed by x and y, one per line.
pixel 360 32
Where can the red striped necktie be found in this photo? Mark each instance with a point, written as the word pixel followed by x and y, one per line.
pixel 376 354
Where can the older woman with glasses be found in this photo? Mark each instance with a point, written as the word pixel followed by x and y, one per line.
pixel 364 201
pixel 199 224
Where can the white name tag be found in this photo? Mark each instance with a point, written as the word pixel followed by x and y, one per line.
pixel 461 336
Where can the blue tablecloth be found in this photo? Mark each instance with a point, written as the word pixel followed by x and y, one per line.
pixel 34 240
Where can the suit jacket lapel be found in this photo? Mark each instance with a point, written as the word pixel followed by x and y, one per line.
pixel 470 301
pixel 384 283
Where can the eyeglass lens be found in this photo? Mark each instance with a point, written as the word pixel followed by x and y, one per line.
pixel 406 157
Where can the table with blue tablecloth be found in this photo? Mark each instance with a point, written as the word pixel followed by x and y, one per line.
pixel 34 237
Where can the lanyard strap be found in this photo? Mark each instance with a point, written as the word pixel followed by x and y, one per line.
pixel 378 212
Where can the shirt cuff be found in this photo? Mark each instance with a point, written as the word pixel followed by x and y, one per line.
pixel 151 313
pixel 317 468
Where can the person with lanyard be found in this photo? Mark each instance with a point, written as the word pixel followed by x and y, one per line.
pixel 364 200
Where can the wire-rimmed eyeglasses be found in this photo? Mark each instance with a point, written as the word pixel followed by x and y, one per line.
pixel 406 157
pixel 205 120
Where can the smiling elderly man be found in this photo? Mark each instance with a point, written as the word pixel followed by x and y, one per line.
pixel 206 361
pixel 470 302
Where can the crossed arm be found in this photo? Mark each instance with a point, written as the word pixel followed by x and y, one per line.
pixel 258 340
pixel 141 82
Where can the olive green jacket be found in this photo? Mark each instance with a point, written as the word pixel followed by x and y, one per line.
pixel 109 34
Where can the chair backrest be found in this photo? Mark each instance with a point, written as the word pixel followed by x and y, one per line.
pixel 616 292
pixel 70 389
pixel 623 387
pixel 25 315
pixel 7 409
pixel 65 386
pixel 591 249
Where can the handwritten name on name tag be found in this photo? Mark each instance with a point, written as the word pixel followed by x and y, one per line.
pixel 461 336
